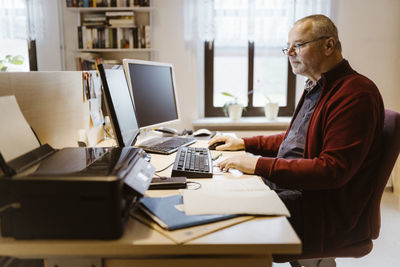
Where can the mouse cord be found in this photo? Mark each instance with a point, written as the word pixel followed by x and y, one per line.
pixel 217 157
pixel 163 169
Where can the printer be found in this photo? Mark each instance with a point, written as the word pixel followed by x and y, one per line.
pixel 72 193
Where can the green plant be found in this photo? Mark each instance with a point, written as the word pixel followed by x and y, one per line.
pixel 232 100
pixel 269 100
pixel 13 60
pixel 261 87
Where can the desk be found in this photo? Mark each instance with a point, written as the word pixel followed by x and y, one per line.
pixel 250 243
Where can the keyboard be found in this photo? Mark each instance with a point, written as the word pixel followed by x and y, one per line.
pixel 168 145
pixel 193 162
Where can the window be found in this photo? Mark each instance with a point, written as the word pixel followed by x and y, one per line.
pixel 242 50
pixel 250 74
pixel 21 22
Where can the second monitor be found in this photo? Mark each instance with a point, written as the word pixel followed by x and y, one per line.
pixel 153 91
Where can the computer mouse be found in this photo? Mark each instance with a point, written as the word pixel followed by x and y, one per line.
pixel 213 146
pixel 202 132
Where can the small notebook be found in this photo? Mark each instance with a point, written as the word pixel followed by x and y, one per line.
pixel 164 211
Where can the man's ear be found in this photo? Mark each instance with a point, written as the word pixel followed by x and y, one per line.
pixel 330 46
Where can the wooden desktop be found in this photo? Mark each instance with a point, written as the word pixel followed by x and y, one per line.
pixel 250 243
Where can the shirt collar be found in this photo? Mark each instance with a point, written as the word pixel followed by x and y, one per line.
pixel 310 86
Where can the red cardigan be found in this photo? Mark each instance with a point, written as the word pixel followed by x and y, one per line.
pixel 336 173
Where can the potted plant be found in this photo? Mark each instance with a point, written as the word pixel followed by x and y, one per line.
pixel 232 107
pixel 10 60
pixel 271 108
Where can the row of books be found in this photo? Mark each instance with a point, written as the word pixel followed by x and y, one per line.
pixel 97 37
pixel 108 3
pixel 109 18
pixel 90 61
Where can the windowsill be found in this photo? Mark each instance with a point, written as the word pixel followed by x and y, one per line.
pixel 245 123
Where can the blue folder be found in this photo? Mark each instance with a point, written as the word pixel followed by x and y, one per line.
pixel 164 209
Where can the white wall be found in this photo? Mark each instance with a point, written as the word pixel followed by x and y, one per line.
pixel 370 35
pixel 171 48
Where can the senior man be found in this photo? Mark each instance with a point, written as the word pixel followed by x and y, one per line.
pixel 323 167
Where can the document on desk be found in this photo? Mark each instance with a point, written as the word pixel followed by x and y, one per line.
pixel 243 196
pixel 16 136
pixel 163 211
pixel 181 236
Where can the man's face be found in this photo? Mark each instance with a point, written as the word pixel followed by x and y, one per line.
pixel 307 59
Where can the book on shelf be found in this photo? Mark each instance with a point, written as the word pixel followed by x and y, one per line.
pixel 108 3
pixel 80 37
pixel 94 19
pixel 111 38
pixel 120 18
pixel 121 22
pixel 97 37
pixel 88 61
pixel 144 36
pixel 147 36
pixel 119 13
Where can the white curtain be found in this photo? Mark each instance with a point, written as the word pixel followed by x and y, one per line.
pixel 235 22
pixel 22 19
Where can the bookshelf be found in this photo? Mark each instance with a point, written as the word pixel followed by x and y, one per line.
pixel 105 34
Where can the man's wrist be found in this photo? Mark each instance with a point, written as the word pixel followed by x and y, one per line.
pixel 242 144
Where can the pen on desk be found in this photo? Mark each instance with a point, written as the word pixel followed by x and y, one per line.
pixel 217 156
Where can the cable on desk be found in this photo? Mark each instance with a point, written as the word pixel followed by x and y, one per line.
pixel 198 185
pixel 165 167
pixel 217 157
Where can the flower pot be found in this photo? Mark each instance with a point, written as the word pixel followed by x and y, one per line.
pixel 271 110
pixel 235 111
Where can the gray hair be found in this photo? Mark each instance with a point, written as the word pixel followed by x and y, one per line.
pixel 322 26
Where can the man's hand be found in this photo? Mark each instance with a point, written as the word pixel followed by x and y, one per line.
pixel 244 163
pixel 231 143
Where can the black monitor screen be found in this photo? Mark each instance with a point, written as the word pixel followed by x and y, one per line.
pixel 120 105
pixel 153 93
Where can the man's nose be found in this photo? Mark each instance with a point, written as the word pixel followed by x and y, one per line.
pixel 291 51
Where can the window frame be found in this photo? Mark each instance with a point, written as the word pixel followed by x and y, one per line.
pixel 250 111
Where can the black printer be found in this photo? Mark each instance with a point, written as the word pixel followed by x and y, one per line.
pixel 72 193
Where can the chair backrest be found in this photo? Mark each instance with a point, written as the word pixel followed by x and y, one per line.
pixel 391 148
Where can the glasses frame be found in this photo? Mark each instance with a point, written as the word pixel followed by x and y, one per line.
pixel 297 47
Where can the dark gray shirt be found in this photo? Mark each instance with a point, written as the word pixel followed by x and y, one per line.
pixel 293 145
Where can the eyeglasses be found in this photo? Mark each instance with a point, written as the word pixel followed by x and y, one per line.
pixel 296 47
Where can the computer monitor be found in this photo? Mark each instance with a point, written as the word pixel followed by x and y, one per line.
pixel 152 85
pixel 119 104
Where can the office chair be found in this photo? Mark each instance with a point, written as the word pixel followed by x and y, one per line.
pixel 391 148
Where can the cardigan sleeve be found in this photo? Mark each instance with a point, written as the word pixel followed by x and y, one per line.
pixel 266 146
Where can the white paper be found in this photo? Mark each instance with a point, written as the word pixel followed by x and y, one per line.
pixel 95 111
pixel 233 196
pixel 252 183
pixel 198 202
pixel 16 136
